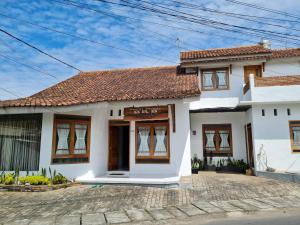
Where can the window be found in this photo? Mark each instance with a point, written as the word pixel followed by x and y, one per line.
pixel 20 139
pixel 275 112
pixel 71 139
pixel 295 135
pixel 217 140
pixel 256 70
pixel 263 112
pixel 152 142
pixel 215 79
pixel 288 112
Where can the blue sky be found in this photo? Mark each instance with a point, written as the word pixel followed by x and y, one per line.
pixel 142 40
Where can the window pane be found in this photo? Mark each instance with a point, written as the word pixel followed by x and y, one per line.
pixel 296 137
pixel 221 79
pixel 63 138
pixel 208 80
pixel 80 138
pixel 210 144
pixel 224 136
pixel 143 141
pixel 20 137
pixel 160 141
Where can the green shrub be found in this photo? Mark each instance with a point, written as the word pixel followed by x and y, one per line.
pixel 34 180
pixel 59 179
pixel 9 179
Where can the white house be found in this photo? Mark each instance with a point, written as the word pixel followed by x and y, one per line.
pixel 144 125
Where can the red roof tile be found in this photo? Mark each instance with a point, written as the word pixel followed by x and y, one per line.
pixel 224 52
pixel 114 85
pixel 238 53
pixel 282 53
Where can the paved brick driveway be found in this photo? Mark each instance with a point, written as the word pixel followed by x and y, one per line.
pixel 211 193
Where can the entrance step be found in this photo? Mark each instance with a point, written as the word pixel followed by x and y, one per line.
pixel 117 174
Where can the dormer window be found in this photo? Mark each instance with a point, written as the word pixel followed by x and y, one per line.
pixel 215 79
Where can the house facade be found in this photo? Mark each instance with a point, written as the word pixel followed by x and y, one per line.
pixel 144 125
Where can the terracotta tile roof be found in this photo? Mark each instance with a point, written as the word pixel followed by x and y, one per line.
pixel 277 81
pixel 225 52
pixel 237 53
pixel 114 85
pixel 282 53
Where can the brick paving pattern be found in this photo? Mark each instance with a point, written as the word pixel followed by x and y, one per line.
pixel 91 205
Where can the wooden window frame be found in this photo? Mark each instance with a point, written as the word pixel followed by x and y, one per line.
pixel 152 158
pixel 214 79
pixel 71 120
pixel 217 127
pixel 293 123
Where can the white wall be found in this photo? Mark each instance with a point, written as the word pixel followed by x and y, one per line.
pixel 179 143
pixel 98 150
pixel 274 67
pixel 285 66
pixel 273 133
pixel 237 121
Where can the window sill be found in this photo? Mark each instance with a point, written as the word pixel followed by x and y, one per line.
pixel 152 161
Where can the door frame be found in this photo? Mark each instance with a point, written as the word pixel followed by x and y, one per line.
pixel 118 123
pixel 249 157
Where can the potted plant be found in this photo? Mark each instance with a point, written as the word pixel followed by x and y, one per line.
pixel 210 166
pixel 195 164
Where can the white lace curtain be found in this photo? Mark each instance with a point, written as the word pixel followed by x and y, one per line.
pixel 80 144
pixel 221 75
pixel 296 134
pixel 20 142
pixel 63 131
pixel 210 144
pixel 160 141
pixel 144 148
pixel 224 145
pixel 207 80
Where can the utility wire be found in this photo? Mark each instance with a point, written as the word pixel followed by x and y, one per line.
pixel 202 20
pixel 264 9
pixel 194 6
pixel 39 50
pixel 228 14
pixel 26 65
pixel 87 7
pixel 193 18
pixel 85 39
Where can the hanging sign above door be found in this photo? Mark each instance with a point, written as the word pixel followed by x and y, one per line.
pixel 146 112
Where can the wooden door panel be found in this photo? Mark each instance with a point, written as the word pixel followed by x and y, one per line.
pixel 113 148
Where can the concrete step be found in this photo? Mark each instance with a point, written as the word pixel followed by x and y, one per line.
pixel 117 173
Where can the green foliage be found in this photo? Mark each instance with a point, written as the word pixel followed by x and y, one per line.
pixel 239 164
pixel 9 179
pixel 196 163
pixel 59 179
pixel 34 180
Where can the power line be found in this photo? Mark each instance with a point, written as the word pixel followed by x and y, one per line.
pixel 39 50
pixel 88 7
pixel 196 19
pixel 194 6
pixel 234 15
pixel 26 65
pixel 203 21
pixel 264 8
pixel 85 39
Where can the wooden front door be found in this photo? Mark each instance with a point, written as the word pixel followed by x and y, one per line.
pixel 256 70
pixel 248 129
pixel 118 155
pixel 113 148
